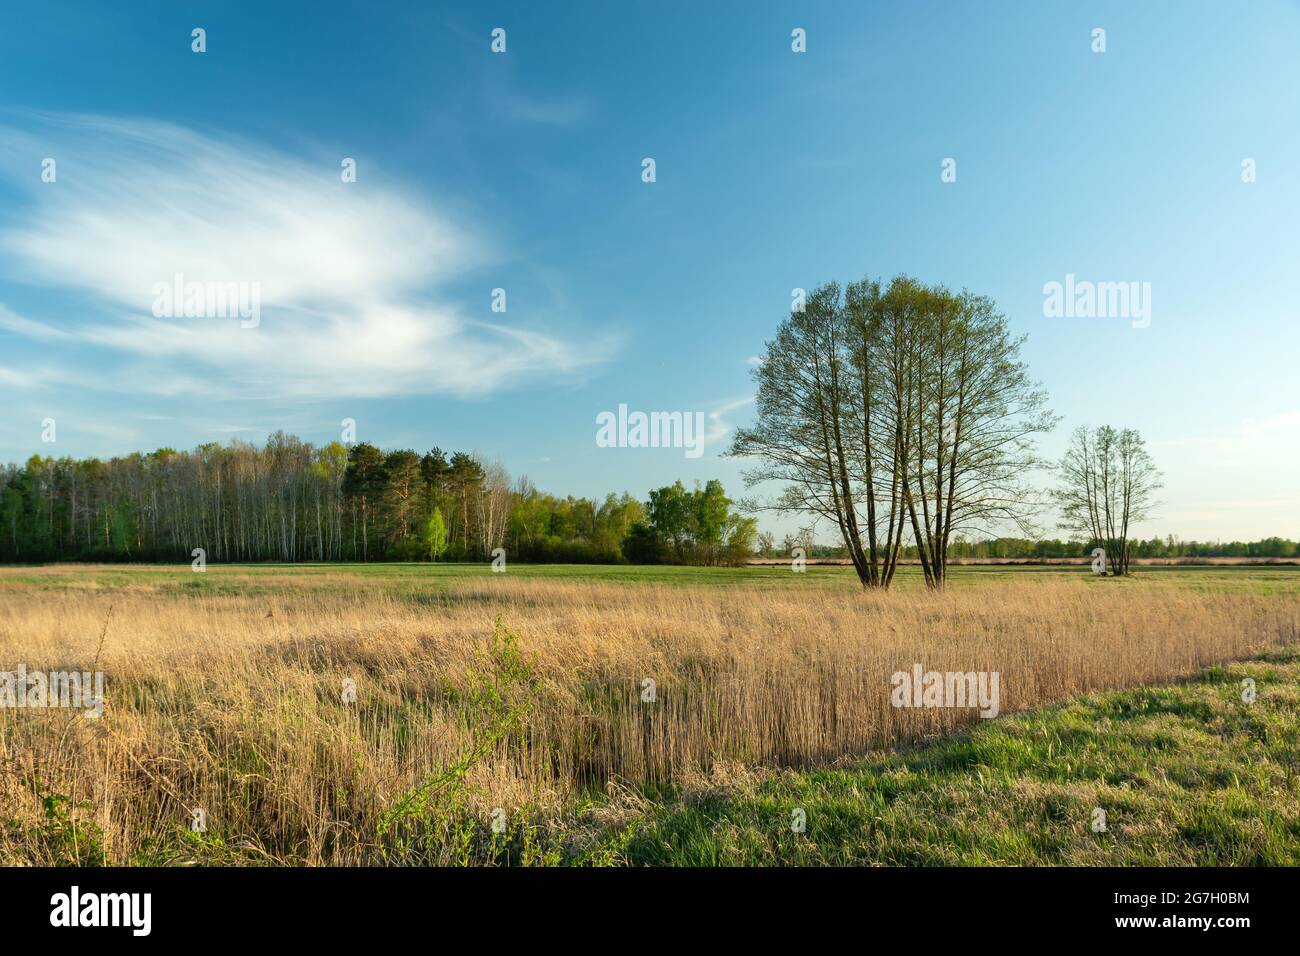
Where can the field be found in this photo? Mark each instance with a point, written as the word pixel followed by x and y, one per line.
pixel 607 715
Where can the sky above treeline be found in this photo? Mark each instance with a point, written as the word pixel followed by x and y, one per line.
pixel 1170 159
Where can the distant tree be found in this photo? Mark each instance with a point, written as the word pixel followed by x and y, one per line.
pixel 465 478
pixel 614 519
pixel 671 517
pixel 1108 482
pixel 402 483
pixel 642 545
pixel 435 535
pixel 433 473
pixel 740 540
pixel 329 471
pixel 530 517
pixel 690 527
pixel 364 484
pixel 710 514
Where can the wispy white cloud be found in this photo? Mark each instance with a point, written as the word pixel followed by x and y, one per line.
pixel 348 272
pixel 553 111
pixel 19 378
pixel 31 377
pixel 517 101
pixel 719 426
pixel 29 328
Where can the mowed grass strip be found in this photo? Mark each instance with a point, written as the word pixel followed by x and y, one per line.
pixel 420 580
pixel 1186 774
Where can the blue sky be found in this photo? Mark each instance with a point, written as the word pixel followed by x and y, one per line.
pixel 522 171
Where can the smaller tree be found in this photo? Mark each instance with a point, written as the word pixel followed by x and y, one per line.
pixel 1108 482
pixel 711 522
pixel 435 535
pixel 642 545
pixel 671 515
pixel 740 535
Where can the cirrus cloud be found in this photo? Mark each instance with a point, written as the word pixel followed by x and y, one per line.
pixel 349 274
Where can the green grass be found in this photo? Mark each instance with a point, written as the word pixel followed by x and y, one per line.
pixel 1187 774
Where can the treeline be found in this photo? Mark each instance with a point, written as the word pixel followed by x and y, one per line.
pixel 1030 548
pixel 289 500
pixel 1169 547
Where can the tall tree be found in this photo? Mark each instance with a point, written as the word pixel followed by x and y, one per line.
pixel 363 483
pixel 464 476
pixel 671 517
pixel 403 480
pixel 891 413
pixel 977 416
pixel 1108 482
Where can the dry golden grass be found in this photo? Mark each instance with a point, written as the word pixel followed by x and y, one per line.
pixel 233 703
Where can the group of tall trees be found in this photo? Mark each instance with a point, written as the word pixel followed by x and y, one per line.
pixel 692 527
pixel 285 500
pixel 898 413
pixel 406 506
pixel 289 500
pixel 902 414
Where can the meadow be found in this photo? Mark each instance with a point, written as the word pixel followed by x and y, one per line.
pixel 418 714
